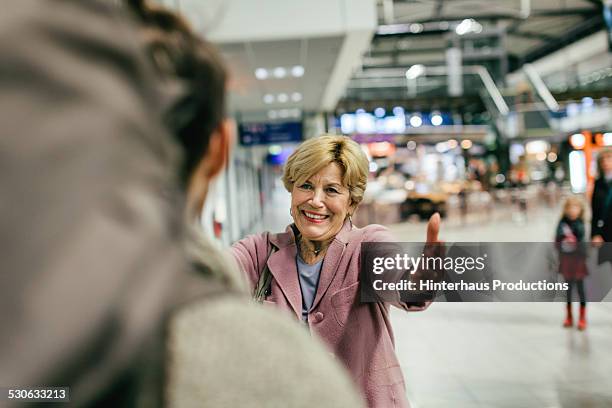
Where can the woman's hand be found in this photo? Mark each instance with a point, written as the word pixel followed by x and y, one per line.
pixel 433 228
pixel 433 248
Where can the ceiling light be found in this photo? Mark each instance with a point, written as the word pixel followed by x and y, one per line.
pixel 398 111
pixel 272 114
pixel 296 113
pixel 452 143
pixel 379 112
pixel 279 72
pixel 469 25
pixel 268 98
pixel 282 97
pixel 283 113
pixel 416 28
pixel 261 73
pixel 416 121
pixel 297 71
pixel 360 110
pixel 296 97
pixel 415 71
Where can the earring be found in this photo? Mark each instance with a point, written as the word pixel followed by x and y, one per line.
pixel 291 211
pixel 350 219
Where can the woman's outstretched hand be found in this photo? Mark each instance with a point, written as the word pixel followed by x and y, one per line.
pixel 434 247
pixel 433 228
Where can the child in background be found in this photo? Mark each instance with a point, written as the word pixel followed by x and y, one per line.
pixel 572 256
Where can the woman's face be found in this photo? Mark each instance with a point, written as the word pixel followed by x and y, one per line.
pixel 320 205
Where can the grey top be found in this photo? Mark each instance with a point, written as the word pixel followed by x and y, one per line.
pixel 309 280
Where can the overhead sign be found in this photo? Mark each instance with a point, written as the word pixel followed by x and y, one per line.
pixel 270 133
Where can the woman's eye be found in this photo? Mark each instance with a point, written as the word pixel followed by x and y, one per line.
pixel 306 186
pixel 332 190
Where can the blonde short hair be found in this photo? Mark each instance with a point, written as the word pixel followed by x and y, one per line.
pixel 314 154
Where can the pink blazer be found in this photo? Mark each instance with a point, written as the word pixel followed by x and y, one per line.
pixel 358 334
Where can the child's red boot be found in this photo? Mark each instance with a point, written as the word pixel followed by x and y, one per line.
pixel 569 320
pixel 582 320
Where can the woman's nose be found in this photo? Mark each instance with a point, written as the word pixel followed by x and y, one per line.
pixel 317 198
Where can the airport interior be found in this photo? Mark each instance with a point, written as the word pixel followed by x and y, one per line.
pixel 490 113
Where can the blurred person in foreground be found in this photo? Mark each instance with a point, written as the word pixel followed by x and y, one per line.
pixel 601 205
pixel 92 229
pixel 569 239
pixel 315 265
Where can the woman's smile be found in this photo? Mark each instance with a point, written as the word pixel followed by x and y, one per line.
pixel 314 217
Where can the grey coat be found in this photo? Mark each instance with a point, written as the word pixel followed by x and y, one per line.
pixel 92 239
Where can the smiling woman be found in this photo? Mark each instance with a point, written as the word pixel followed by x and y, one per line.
pixel 314 265
pixel 326 177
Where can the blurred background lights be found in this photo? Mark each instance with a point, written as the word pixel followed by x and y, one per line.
pixel 416 28
pixel 268 98
pixel 441 147
pixel 466 144
pixel 275 149
pixel 279 72
pixel 537 146
pixel 296 97
pixel 469 25
pixel 282 97
pixel 379 112
pixel 297 71
pixel 436 119
pixel 415 71
pixel 577 140
pixel 416 121
pixel 398 111
pixel 261 73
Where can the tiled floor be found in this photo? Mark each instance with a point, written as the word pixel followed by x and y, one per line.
pixel 503 354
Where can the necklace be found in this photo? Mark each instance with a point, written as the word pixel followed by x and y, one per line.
pixel 315 251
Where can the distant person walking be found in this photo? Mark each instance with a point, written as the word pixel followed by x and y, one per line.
pixel 601 205
pixel 572 256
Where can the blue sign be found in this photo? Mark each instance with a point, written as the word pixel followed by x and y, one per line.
pixel 269 133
